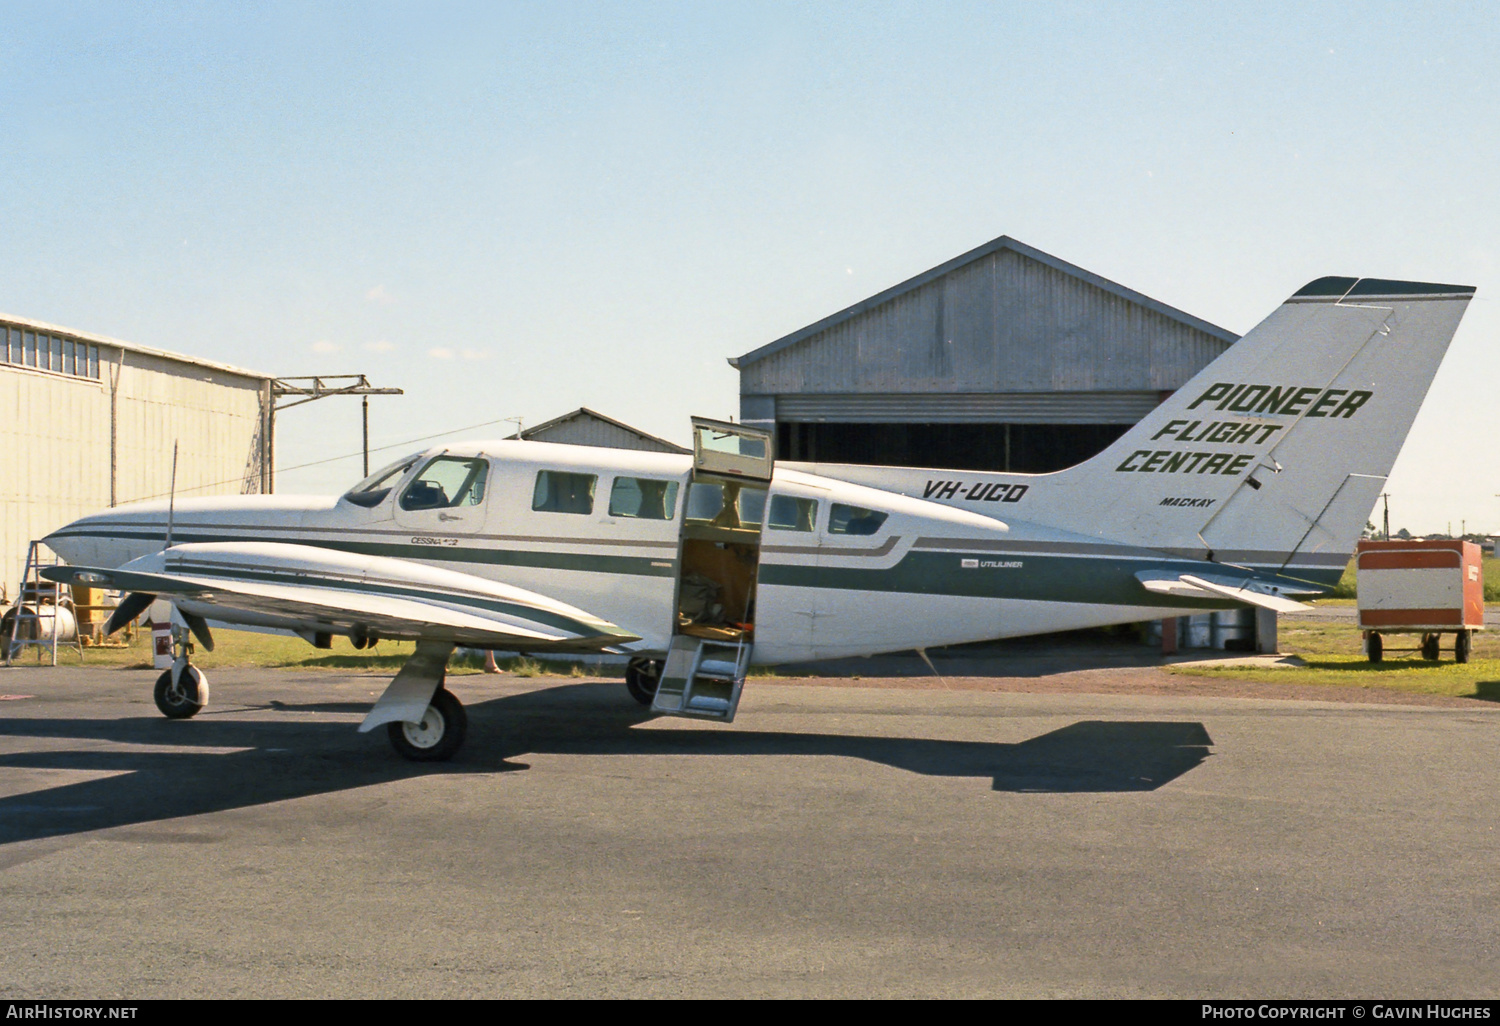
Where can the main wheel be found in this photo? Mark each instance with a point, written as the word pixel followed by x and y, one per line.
pixel 1461 647
pixel 641 679
pixel 437 735
pixel 184 697
pixel 1430 647
pixel 1374 647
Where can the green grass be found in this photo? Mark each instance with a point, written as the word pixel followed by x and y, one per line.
pixel 235 649
pixel 1335 657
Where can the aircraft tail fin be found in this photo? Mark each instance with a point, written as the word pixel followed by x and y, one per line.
pixel 1274 454
pixel 1271 457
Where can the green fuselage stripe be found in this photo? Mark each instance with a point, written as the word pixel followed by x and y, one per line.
pixel 1107 580
pixel 1038 578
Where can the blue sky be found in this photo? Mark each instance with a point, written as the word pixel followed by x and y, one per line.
pixel 516 209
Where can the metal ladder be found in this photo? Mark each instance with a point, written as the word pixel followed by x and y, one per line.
pixel 29 603
pixel 702 678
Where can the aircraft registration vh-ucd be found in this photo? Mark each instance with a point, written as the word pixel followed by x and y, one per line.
pixel 1248 485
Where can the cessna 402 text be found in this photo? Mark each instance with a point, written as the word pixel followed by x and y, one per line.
pixel 1248 485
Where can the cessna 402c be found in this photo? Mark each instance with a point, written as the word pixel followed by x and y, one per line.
pixel 1248 485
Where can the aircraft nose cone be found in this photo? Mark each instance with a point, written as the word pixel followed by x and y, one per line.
pixel 66 547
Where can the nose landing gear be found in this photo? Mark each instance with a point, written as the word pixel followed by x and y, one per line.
pixel 182 690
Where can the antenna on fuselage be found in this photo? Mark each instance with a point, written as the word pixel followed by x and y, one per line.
pixel 171 498
pixel 928 660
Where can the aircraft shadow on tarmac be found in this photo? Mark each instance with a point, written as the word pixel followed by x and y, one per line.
pixel 186 771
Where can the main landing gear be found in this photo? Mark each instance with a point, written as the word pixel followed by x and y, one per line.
pixel 641 679
pixel 437 735
pixel 423 720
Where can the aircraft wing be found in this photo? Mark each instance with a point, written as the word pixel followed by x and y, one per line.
pixel 314 590
pixel 1165 582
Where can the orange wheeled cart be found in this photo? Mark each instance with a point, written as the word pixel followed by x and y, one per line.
pixel 1429 588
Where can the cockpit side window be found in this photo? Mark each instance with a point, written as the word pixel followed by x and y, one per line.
pixel 371 492
pixel 446 482
pixel 844 519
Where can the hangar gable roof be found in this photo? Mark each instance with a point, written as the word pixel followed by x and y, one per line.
pixel 1003 243
pixel 589 427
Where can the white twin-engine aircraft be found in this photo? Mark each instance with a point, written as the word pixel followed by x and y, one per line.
pixel 1249 484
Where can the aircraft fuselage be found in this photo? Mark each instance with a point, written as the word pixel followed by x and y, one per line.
pixel 823 583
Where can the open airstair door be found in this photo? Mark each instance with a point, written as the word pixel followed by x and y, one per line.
pixel 731 450
pixel 703 678
pixel 719 561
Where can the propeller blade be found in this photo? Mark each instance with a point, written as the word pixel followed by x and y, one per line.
pixel 131 606
pixel 199 627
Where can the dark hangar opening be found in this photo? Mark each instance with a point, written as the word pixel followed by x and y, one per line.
pixel 1004 358
pixel 1019 448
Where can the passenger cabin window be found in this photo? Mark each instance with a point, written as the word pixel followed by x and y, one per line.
pixel 726 505
pixel 844 519
pixel 557 492
pixel 643 499
pixel 789 513
pixel 371 492
pixel 446 482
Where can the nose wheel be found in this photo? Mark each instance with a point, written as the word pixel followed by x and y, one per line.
pixel 182 691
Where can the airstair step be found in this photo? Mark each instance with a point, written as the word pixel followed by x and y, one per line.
pixel 702 678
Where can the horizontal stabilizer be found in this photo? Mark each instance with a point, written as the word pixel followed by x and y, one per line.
pixel 1191 586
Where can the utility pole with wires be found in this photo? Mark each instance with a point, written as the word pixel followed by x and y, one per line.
pixel 1387 497
pixel 305 390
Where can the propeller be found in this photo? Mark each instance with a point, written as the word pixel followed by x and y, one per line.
pixel 130 607
pixel 136 603
pixel 199 627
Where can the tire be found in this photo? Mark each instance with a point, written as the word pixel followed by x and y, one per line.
pixel 1430 647
pixel 1461 647
pixel 438 736
pixel 187 698
pixel 1374 647
pixel 641 679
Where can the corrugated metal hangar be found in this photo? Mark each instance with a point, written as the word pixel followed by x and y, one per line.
pixel 1004 358
pixel 90 421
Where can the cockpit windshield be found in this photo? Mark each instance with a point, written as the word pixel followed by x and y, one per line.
pixel 372 490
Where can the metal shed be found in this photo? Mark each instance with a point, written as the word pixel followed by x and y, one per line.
pixel 1004 358
pixel 586 427
pixel 89 422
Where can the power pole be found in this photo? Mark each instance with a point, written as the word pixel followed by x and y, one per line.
pixel 1384 495
pixel 305 390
